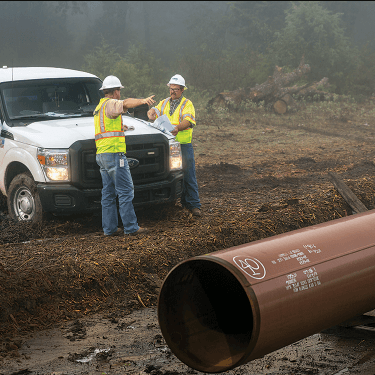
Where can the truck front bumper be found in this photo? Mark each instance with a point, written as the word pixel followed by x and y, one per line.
pixel 66 199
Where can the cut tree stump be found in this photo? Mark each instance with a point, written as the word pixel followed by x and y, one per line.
pixel 288 99
pixel 280 107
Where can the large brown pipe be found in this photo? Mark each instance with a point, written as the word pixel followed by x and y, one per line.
pixel 224 309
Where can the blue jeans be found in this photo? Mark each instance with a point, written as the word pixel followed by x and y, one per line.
pixel 189 196
pixel 117 181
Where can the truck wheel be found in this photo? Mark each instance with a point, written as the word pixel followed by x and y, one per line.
pixel 23 199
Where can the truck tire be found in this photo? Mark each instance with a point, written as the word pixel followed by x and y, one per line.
pixel 23 199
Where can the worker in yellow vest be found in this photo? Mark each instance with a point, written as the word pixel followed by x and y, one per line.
pixel 181 114
pixel 111 158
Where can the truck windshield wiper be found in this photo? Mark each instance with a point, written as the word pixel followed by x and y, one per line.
pixel 35 115
pixel 86 108
pixel 83 114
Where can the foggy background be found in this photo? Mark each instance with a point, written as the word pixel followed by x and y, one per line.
pixel 215 46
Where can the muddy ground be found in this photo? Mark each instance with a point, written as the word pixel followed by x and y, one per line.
pixel 74 302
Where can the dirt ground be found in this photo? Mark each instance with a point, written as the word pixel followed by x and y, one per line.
pixel 74 302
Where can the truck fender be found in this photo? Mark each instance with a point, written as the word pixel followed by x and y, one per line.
pixel 27 157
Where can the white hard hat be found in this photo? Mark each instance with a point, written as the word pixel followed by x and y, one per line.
pixel 111 82
pixel 177 80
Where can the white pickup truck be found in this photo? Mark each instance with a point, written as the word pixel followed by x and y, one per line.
pixel 47 147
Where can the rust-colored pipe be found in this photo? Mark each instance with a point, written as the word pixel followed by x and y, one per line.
pixel 224 309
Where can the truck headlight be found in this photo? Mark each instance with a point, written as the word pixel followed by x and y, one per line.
pixel 55 163
pixel 175 156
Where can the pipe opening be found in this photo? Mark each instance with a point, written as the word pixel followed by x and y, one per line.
pixel 205 316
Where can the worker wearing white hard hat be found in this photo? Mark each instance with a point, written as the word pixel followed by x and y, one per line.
pixel 111 158
pixel 181 114
pixel 111 82
pixel 177 80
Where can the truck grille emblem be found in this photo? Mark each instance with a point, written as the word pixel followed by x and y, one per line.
pixel 133 163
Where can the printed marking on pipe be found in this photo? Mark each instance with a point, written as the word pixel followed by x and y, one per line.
pixel 311 248
pixel 310 280
pixel 251 266
pixel 298 254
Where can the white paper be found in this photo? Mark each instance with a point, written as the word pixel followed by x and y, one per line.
pixel 164 121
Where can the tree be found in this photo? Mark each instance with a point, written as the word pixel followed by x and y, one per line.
pixel 33 33
pixel 214 59
pixel 319 35
pixel 138 70
pixel 350 11
pixel 72 7
pixel 110 26
pixel 256 21
pixel 101 60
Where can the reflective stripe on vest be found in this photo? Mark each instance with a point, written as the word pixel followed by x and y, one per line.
pixel 164 105
pixel 181 108
pixel 188 115
pixel 157 111
pixel 109 136
pixel 100 112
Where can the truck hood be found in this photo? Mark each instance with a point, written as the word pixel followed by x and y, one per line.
pixel 63 132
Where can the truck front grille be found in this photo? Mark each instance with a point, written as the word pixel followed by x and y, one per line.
pixel 151 159
pixel 90 168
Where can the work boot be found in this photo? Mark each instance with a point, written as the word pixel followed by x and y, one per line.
pixel 196 211
pixel 139 231
pixel 118 232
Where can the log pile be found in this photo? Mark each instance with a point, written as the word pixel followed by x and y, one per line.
pixel 275 91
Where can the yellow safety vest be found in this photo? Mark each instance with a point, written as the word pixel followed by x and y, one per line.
pixel 185 110
pixel 109 136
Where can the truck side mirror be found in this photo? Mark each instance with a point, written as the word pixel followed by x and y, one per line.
pixel 141 112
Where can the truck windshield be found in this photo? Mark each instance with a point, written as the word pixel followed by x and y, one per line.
pixel 51 97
